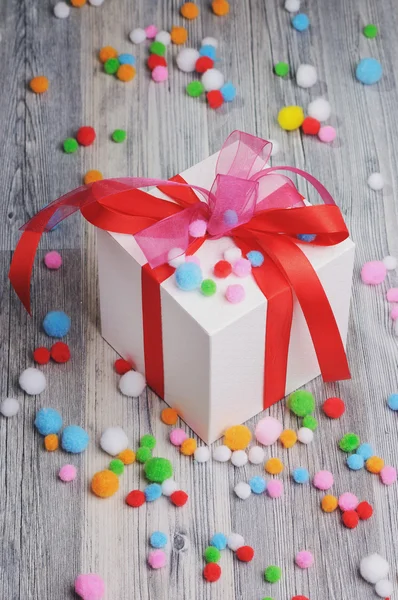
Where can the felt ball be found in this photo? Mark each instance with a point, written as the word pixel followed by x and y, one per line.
pixel 272 574
pixel 310 126
pixel 292 6
pixel 202 454
pixel 333 408
pixel 300 22
pixel 228 92
pixel 111 66
pixel 305 435
pixel 152 492
pixel 245 553
pixel 132 384
pixel 90 587
pixel 32 381
pixel 106 53
pixel 256 455
pixel 242 267
pixel 214 99
pixel 348 501
pixel 126 73
pixel 304 559
pixel 86 136
pixel 179 35
pixel 56 323
pixel 212 79
pixel 384 588
pixel 310 422
pixel 195 89
pixel 306 76
pixel 189 10
pixel 211 554
pixel 135 498
pixel 376 181
pixel 203 64
pixel 67 473
pixel 355 462
pixel 268 431
pixel 222 453
pixel 188 447
pixel 9 407
pixel 41 356
pixel 275 488
pixel 157 48
pixel 349 442
pixel 127 456
pixel 388 475
pixel 157 559
pixel 239 458
pixel 365 450
pixel 158 539
pixel 51 442
pixel 368 71
pixel 179 498
pixel 288 438
pixel 178 436
pixel 208 287
pixel 235 541
pixel 350 519
pixel 61 10
pixel 158 469
pixel 212 572
pixel 222 269
pixel 70 145
pixel 209 51
pixel 290 117
pixel 137 36
pixel 319 109
pixel 151 32
pixel 143 454
pixel 323 480
pixel 209 41
pixel 327 134
pixel 235 293
pixel 390 263
pixel 257 484
pixel 114 440
pixel 164 37
pixel 169 416
pixel 197 228
pixel 364 511
pixel 39 84
pixel 116 466
pixel 281 69
pixel 374 568
pixel 219 541
pixel 74 439
pixel 329 503
pixel 48 420
pixel 53 260
pixel 105 484
pixel 301 475
pixel 188 276
pixel 237 437
pixel 148 441
pixel 169 486
pixel 301 403
pixel 274 466
pixel 122 366
pixel 220 7
pixel 60 352
pixel 255 257
pixel 392 295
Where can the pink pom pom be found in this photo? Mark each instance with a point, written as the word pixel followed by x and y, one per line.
pixel 235 293
pixel 151 32
pixel 392 295
pixel 177 436
pixel 242 267
pixel 388 475
pixel 323 480
pixel 90 587
pixel 373 272
pixel 198 228
pixel 67 473
pixel 304 559
pixel 160 74
pixel 192 258
pixel 394 313
pixel 327 134
pixel 157 559
pixel 275 488
pixel 268 430
pixel 53 260
pixel 348 501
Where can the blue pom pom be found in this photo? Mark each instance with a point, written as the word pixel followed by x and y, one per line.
pixel 393 401
pixel 230 217
pixel 152 492
pixel 300 22
pixel 366 451
pixel 228 92
pixel 158 539
pixel 369 71
pixel 255 257
pixel 126 59
pixel 188 276
pixel 209 51
pixel 306 237
pixel 257 484
pixel 48 421
pixel 56 324
pixel 74 439
pixel 219 541
pixel 355 462
pixel 301 475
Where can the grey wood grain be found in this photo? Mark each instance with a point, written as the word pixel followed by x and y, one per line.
pixel 51 532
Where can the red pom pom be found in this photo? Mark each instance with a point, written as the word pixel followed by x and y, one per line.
pixel 333 408
pixel 364 510
pixel 60 352
pixel 122 366
pixel 300 598
pixel 350 519
pixel 203 64
pixel 245 553
pixel 310 126
pixel 215 99
pixel 179 498
pixel 41 356
pixel 212 572
pixel 156 61
pixel 135 498
pixel 222 269
pixel 86 136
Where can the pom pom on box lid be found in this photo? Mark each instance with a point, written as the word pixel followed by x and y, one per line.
pixel 186 343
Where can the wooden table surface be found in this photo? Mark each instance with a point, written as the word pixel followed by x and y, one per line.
pixel 50 532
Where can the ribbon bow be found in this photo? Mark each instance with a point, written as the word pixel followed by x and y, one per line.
pixel 257 207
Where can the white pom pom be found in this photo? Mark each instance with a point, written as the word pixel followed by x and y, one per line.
pixel 137 36
pixel 235 541
pixel 169 486
pixel 175 257
pixel 305 435
pixel 319 109
pixel 202 454
pixel 242 490
pixel 9 407
pixel 239 458
pixel 212 79
pixel 306 76
pixel 390 263
pixel 164 37
pixel 384 588
pixel 256 455
pixel 222 454
pixel 132 384
pixel 61 10
pixel 114 440
pixel 276 148
pixel 292 6
pixel 186 59
pixel 210 41
pixel 376 181
pixel 374 568
pixel 32 381
pixel 96 2
pixel 232 254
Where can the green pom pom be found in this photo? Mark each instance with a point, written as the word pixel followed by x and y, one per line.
pixel 212 554
pixel 267 598
pixel 111 66
pixel 208 287
pixel 158 469
pixel 148 441
pixel 349 442
pixel 157 48
pixel 281 69
pixel 116 466
pixel 70 145
pixel 195 89
pixel 143 454
pixel 272 574
pixel 370 31
pixel 119 135
pixel 301 403
pixel 310 422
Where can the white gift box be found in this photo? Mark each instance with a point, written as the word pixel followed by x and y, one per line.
pixel 213 351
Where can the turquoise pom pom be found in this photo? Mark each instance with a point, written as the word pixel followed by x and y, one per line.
pixel 257 484
pixel 300 22
pixel 56 324
pixel 74 439
pixel 209 51
pixel 219 541
pixel 228 92
pixel 301 475
pixel 126 59
pixel 369 71
pixel 393 401
pixel 188 276
pixel 255 257
pixel 158 539
pixel 48 421
pixel 152 492
pixel 355 462
pixel 366 451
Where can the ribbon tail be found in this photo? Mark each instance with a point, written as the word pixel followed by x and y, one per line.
pixel 22 264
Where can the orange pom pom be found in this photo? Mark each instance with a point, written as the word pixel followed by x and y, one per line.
pixel 104 484
pixel 220 7
pixel 273 466
pixel 125 73
pixel 189 10
pixel 374 464
pixel 288 438
pixel 169 416
pixel 92 176
pixel 51 442
pixel 237 437
pixel 78 3
pixel 39 85
pixel 329 503
pixel 188 447
pixel 127 456
pixel 106 53
pixel 179 35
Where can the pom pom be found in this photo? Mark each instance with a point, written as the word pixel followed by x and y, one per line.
pixel 116 466
pixel 304 559
pixel 350 519
pixel 178 436
pixel 327 134
pixel 364 511
pixel 374 568
pixel 239 458
pixel 366 451
pixel 384 588
pixel 32 381
pixel 61 10
pixel 158 469
pixel 232 254
pixel 156 61
pixel 300 22
pixel 74 439
pixel 222 454
pixel 355 462
pixel 388 475
pixel 41 356
pixel 186 60
pixel 104 484
pixel 135 498
pixel 51 442
pixel 152 492
pixel 164 37
pixel 122 366
pixel 329 503
pixel 256 455
pixel 230 217
pixel 376 183
pixel 255 257
pixel 132 384
pixel 306 76
pixel 67 473
pixel 150 32
pixel 53 260
pixel 368 71
pixel 78 3
pixel 301 475
pixel 56 324
pixel 92 176
pixel 60 352
pixel 126 73
pixel 222 269
pixel 237 437
pixel 214 99
pixel 179 498
pixel 137 36
pixel 245 553
pixel 157 559
pixel 106 53
pixel 275 488
pixel 195 89
pixel 235 541
pixel 148 441
pixel 143 454
pixel 86 136
pixel 212 79
pixel 370 31
pixel 301 403
pixel 203 64
pixel 292 6
pixel 160 74
pixel 211 554
pixel 257 484
pixel 157 48
pixel 228 92
pixel 158 539
pixel 390 263
pixel 349 442
pixel 319 109
pixel 9 407
pixel 208 287
pixel 209 41
pixel 235 293
pixel 323 480
pixel 127 456
pixel 392 295
pixel 169 486
pixel 310 126
pixel 179 35
pixel 310 422
pixel 39 84
pixel 333 408
pixel 209 51
pixel 290 117
pixel 305 435
pixel 188 447
pixel 198 228
pixel 111 66
pixel 169 416
pixel 242 267
pixel 306 237
pixel 202 454
pixel 281 69
pixel 219 541
pixel 348 501
pixel 212 572
pixel 272 574
pixel 288 438
pixel 114 440
pixel 48 420
pixel 188 276
pixel 90 587
pixel 274 466
pixel 125 59
pixel 70 145
pixel 268 430
pixel 220 7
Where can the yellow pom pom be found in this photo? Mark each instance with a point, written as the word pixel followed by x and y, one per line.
pixel 329 503
pixel 39 85
pixel 127 456
pixel 189 10
pixel 374 464
pixel 92 176
pixel 288 438
pixel 188 447
pixel 220 7
pixel 51 442
pixel 104 484
pixel 273 466
pixel 179 35
pixel 237 437
pixel 106 53
pixel 290 117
